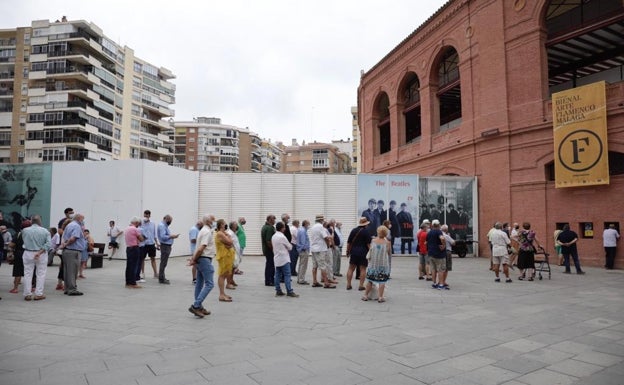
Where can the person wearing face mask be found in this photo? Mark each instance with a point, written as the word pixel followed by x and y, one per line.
pixel 69 214
pixel 148 247
pixel 166 241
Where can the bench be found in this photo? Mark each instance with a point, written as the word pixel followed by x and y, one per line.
pixel 97 258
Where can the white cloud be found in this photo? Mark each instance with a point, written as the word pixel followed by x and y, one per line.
pixel 285 69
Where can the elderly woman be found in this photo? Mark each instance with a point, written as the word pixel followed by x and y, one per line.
pixel 526 255
pixel 225 256
pixel 378 263
pixel 357 247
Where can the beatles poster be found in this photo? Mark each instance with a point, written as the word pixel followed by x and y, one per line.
pixel 393 198
pixel 451 200
pixel 25 190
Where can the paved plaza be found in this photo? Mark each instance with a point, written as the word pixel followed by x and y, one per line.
pixel 567 330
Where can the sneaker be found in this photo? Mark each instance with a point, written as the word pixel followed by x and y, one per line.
pixel 497 280
pixel 279 293
pixel 141 280
pixel 40 297
pixel 164 282
pixel 429 279
pixel 194 281
pixel 196 311
pixel 434 286
pixel 444 287
pixel 580 273
pixel 421 278
pixel 508 280
pixel 292 294
pixel 303 283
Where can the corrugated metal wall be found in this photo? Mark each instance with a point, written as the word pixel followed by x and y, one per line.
pixel 254 196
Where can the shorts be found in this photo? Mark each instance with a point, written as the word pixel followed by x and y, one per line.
pixel 438 264
pixel 113 245
pixel 500 259
pixel 320 259
pixel 449 260
pixel 148 250
pixel 424 259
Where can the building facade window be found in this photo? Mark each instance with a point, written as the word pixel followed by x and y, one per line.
pixel 382 111
pixel 449 89
pixel 411 108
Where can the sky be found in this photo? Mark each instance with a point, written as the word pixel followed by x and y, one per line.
pixel 284 69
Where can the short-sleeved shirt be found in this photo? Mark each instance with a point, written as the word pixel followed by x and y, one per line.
pixel 132 236
pixel 360 240
pixel 242 237
pixel 567 236
pixel 74 229
pixel 433 244
pixel 206 237
pixel 36 238
pixel 421 236
pixel 266 234
pixel 318 233
pixel 499 240
pixel 610 237
pixel 193 237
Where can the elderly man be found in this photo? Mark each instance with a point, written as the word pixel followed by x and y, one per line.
pixel 436 249
pixel 242 241
pixel 133 237
pixel 202 261
pixel 450 242
pixel 281 260
pixel 73 243
pixel 319 246
pixel 266 233
pixel 166 241
pixel 610 237
pixel 36 245
pixel 500 256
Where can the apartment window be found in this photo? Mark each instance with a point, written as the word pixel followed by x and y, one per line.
pixel 138 67
pixel 117 133
pixel 118 117
pixel 136 110
pixel 191 130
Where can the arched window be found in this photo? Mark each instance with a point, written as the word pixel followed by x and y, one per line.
pixel 382 111
pixel 585 42
pixel 411 108
pixel 449 89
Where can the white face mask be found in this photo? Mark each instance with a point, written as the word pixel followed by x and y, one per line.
pixel 71 216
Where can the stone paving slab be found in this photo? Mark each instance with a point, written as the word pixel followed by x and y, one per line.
pixel 567 330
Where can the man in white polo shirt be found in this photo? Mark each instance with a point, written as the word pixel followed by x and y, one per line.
pixel 319 241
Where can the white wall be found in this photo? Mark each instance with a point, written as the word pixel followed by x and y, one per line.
pixel 256 195
pixel 118 190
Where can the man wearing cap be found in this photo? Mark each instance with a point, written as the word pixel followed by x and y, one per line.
pixel 358 244
pixel 372 217
pixel 319 242
pixel 36 245
pixel 407 228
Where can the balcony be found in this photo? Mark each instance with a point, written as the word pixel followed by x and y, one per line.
pixel 7 75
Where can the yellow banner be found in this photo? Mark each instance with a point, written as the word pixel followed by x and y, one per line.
pixel 580 136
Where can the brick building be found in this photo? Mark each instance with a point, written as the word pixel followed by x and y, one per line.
pixel 469 93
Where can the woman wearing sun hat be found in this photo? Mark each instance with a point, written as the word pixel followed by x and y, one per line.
pixel 358 244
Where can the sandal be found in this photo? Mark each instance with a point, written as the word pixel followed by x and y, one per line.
pixel 225 299
pixel 349 287
pixel 364 298
pixel 13 291
pixel 381 299
pixel 230 287
pixel 361 288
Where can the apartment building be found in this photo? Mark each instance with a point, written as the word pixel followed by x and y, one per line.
pixel 315 158
pixel 206 144
pixel 68 92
